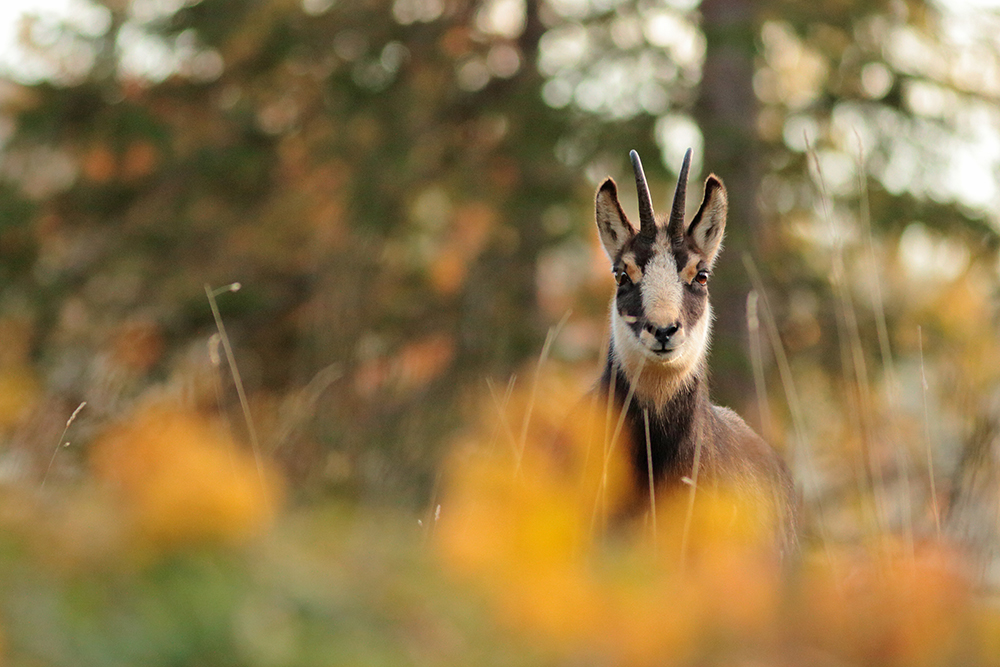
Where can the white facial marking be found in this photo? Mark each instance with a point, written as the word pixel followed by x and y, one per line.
pixel 658 374
pixel 662 290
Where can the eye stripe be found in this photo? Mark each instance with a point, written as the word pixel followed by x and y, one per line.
pixel 628 265
pixel 690 271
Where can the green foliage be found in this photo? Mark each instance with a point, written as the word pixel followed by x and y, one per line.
pixel 326 589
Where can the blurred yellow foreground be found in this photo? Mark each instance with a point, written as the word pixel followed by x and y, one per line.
pixel 529 519
pixel 175 546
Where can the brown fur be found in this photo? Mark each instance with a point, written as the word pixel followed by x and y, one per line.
pixel 661 322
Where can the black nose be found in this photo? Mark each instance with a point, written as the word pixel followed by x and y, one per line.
pixel 663 334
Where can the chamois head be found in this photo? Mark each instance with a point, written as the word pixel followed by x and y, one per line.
pixel 661 317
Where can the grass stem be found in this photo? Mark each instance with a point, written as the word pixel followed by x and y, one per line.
pixel 237 380
pixel 60 445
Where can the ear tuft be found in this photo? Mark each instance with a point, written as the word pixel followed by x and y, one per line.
pixel 612 224
pixel 709 224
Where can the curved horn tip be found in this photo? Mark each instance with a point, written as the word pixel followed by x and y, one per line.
pixel 636 162
pixel 647 220
pixel 675 223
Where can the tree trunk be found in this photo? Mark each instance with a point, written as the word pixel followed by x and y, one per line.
pixel 726 112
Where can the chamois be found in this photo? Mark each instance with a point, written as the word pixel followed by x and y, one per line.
pixel 661 322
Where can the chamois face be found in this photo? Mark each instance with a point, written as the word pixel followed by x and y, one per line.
pixel 661 316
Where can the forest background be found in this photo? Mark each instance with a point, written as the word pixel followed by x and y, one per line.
pixel 404 192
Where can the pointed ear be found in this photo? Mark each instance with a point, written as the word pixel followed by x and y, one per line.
pixel 614 228
pixel 709 224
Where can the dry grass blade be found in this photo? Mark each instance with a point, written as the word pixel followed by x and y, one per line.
pixel 689 513
pixel 60 445
pixel 501 407
pixel 542 357
pixel 882 329
pixel 652 485
pixel 237 380
pixel 610 445
pixel 803 450
pixel 927 436
pixel 870 475
pixel 878 302
pixel 757 362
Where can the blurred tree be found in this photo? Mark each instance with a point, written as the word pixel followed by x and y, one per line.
pixel 726 113
pixel 866 115
pixel 376 175
pixel 403 188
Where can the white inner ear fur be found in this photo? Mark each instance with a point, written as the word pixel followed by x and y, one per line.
pixel 707 230
pixel 612 225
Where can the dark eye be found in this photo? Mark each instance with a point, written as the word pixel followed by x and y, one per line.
pixel 621 277
pixel 702 277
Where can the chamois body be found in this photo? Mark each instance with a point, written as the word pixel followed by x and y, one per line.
pixel 656 372
pixel 731 451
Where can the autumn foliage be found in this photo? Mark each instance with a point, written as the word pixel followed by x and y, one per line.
pixel 404 190
pixel 175 526
pixel 703 584
pixel 181 479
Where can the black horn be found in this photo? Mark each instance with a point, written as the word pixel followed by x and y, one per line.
pixel 675 227
pixel 647 223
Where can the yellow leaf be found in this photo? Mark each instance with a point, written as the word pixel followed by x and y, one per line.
pixel 183 479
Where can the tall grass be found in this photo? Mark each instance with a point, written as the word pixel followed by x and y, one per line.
pixel 173 545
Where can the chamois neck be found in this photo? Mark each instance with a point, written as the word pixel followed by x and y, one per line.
pixel 661 390
pixel 676 421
